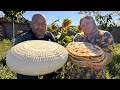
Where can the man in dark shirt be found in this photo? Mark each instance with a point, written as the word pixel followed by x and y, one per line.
pixel 38 31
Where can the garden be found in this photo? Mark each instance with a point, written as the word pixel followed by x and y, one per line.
pixel 63 38
pixel 64 34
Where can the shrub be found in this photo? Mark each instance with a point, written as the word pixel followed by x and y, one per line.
pixel 5 73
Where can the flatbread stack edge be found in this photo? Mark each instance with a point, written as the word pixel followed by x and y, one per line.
pixel 85 53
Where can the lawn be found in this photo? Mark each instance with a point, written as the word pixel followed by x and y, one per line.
pixel 5 72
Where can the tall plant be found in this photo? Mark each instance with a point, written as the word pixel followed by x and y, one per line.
pixel 61 35
pixel 14 17
pixel 60 32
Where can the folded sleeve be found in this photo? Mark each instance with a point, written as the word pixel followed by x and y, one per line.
pixel 77 38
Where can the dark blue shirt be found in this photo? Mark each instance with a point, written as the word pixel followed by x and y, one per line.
pixel 29 35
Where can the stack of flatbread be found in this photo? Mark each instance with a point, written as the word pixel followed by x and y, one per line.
pixel 84 53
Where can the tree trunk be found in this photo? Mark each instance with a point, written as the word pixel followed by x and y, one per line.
pixel 13 39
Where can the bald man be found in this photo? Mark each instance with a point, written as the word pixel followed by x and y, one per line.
pixel 38 31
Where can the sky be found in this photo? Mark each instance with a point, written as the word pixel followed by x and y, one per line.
pixel 54 15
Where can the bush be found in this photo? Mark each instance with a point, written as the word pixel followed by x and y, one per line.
pixel 114 66
pixel 5 73
pixel 5 45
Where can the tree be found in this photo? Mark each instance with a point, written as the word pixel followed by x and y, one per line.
pixel 116 14
pixel 15 17
pixel 88 12
pixel 106 22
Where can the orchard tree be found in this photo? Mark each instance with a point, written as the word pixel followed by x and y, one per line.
pixel 106 22
pixel 14 16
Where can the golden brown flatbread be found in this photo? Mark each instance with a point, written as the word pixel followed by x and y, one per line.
pixel 84 49
pixel 84 53
pixel 92 59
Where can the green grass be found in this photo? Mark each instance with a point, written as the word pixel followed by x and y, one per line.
pixel 5 45
pixel 5 72
pixel 114 67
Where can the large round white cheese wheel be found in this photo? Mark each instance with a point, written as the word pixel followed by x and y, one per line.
pixel 36 57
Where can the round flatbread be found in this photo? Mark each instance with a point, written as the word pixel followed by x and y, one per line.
pixel 84 49
pixel 84 53
pixel 91 59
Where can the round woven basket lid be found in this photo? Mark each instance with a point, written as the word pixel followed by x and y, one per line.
pixel 84 49
pixel 36 57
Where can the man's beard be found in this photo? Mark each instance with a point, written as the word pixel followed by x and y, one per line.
pixel 40 35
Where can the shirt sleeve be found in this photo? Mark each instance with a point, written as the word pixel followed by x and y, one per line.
pixel 77 38
pixel 19 39
pixel 107 42
pixel 51 36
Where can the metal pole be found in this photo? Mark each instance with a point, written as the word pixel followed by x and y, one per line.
pixel 13 33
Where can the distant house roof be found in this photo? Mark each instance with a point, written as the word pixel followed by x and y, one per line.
pixel 2 20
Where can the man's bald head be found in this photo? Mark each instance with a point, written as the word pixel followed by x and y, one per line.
pixel 38 16
pixel 39 25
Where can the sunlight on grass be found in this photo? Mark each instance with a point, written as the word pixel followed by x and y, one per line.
pixel 5 45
